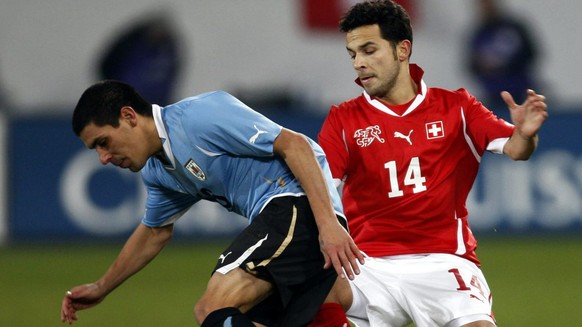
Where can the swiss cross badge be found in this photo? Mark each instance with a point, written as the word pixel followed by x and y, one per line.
pixel 434 130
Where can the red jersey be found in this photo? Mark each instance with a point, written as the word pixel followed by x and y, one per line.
pixel 407 176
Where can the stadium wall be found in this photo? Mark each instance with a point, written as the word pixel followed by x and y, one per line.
pixel 60 192
pixel 3 180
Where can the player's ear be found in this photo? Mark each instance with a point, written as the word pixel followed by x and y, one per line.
pixel 403 50
pixel 128 114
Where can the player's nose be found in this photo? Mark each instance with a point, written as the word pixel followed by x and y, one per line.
pixel 104 156
pixel 358 62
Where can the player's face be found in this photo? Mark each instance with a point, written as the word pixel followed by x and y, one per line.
pixel 374 60
pixel 119 146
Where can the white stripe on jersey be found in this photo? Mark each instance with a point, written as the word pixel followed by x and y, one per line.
pixel 468 139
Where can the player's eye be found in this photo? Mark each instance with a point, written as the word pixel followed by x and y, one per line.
pixel 102 143
pixel 369 51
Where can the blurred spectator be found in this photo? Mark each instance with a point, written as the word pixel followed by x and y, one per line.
pixel 502 55
pixel 146 56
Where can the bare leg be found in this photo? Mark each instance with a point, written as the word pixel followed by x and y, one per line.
pixel 237 289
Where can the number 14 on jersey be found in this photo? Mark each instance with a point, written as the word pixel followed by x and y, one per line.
pixel 412 178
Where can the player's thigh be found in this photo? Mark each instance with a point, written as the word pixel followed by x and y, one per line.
pixel 236 288
pixel 431 290
pixel 448 290
pixel 377 298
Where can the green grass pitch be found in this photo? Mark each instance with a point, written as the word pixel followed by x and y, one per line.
pixel 535 282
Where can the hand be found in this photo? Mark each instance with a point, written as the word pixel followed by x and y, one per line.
pixel 529 116
pixel 79 298
pixel 339 250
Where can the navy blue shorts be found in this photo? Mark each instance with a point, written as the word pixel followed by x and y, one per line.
pixel 281 246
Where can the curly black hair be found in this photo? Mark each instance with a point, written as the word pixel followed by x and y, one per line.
pixel 392 18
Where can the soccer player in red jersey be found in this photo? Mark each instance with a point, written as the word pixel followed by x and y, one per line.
pixel 407 156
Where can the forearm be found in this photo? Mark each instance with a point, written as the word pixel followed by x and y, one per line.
pixel 303 163
pixel 520 147
pixel 313 183
pixel 338 248
pixel 143 245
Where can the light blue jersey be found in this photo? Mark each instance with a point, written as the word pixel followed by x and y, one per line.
pixel 220 150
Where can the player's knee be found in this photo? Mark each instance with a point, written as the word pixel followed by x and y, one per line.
pixel 332 312
pixel 200 312
pixel 205 306
pixel 237 289
pixel 341 293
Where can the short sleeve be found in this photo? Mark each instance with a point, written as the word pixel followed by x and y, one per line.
pixel 331 139
pixel 164 207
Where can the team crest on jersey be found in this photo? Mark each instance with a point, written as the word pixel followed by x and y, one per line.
pixel 365 136
pixel 435 130
pixel 195 170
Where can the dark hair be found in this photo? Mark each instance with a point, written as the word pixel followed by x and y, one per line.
pixel 101 103
pixel 392 18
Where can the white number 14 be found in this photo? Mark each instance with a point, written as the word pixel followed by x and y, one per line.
pixel 413 178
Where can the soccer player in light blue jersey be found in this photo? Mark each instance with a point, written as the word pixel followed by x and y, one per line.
pixel 213 147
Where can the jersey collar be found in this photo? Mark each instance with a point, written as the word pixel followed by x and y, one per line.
pixel 416 73
pixel 163 134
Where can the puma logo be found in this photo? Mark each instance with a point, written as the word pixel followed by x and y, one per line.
pixel 223 256
pixel 253 139
pixel 402 136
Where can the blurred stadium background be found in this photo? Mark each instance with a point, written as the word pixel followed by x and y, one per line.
pixel 63 216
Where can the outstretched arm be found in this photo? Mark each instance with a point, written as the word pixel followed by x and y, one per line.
pixel 142 246
pixel 528 119
pixel 337 246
